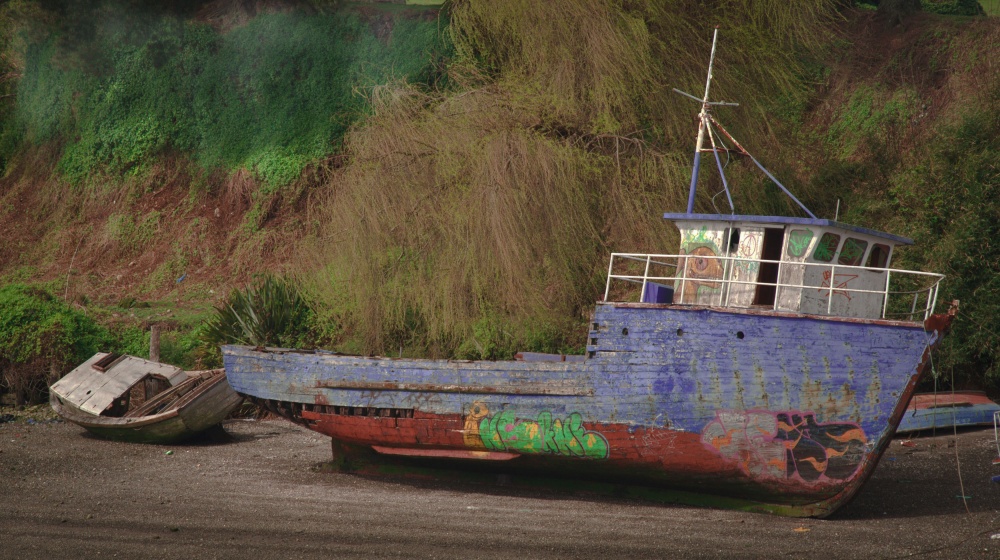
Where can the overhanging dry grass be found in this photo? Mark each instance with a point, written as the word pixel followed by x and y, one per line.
pixel 487 214
pixel 605 66
pixel 458 208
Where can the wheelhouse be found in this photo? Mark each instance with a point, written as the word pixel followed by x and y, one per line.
pixel 808 266
pixel 785 264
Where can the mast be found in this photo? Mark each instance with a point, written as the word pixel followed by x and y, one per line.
pixel 705 123
pixel 702 125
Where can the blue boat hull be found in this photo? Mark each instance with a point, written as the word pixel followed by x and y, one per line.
pixel 787 413
pixel 929 411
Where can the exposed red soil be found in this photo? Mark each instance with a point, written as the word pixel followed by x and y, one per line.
pixel 58 229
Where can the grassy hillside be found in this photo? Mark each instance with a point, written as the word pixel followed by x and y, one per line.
pixel 476 221
pixel 120 85
pixel 450 183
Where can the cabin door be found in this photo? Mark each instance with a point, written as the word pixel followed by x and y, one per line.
pixel 773 239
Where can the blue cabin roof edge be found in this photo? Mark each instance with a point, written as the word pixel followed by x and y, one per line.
pixel 785 220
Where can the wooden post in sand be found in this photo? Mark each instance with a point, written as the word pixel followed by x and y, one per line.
pixel 154 343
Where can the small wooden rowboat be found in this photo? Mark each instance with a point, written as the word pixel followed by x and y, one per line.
pixel 130 399
pixel 961 409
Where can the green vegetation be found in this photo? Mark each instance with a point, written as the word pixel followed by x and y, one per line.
pixel 129 235
pixel 950 202
pixel 450 183
pixel 269 313
pixel 872 120
pixel 945 7
pixel 953 7
pixel 940 190
pixel 559 140
pixel 268 96
pixel 40 336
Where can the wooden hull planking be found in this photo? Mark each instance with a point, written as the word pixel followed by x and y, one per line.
pixel 201 408
pixel 759 410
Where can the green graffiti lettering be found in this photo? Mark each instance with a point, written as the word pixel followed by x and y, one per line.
pixel 700 238
pixel 826 247
pixel 798 242
pixel 506 432
pixel 852 252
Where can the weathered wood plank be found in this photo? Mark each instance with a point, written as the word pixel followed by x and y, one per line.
pixel 93 391
pixel 557 387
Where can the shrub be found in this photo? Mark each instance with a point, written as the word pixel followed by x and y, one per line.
pixel 40 338
pixel 270 313
pixel 950 203
pixel 953 7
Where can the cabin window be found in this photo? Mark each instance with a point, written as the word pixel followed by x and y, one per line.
pixel 826 248
pixel 879 256
pixel 852 252
pixel 798 242
pixel 734 238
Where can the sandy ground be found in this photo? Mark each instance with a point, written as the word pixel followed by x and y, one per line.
pixel 254 491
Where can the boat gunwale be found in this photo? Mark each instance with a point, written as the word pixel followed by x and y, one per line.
pixel 86 420
pixel 926 325
pixel 761 312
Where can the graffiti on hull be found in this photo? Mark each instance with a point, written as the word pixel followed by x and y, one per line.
pixel 507 432
pixel 786 444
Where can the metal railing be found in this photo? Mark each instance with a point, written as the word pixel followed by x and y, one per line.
pixel 904 294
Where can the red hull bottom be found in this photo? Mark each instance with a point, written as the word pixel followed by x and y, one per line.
pixel 662 457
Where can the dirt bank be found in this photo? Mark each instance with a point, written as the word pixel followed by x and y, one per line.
pixel 253 491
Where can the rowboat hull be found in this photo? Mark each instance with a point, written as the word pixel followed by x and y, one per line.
pixel 928 411
pixel 197 409
pixel 776 412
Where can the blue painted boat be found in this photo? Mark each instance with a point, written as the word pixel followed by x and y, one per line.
pixel 764 366
pixel 962 409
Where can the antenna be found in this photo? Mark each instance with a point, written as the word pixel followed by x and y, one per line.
pixel 705 124
pixel 703 119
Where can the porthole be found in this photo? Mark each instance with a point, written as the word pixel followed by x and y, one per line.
pixel 625 331
pixel 739 335
pixel 680 332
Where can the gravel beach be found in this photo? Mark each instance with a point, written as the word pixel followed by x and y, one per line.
pixel 258 489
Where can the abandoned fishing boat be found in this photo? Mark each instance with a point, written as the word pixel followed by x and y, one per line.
pixel 765 366
pixel 130 399
pixel 962 409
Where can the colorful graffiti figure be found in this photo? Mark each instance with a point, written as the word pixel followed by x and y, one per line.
pixel 507 432
pixel 786 444
pixel 814 450
pixel 703 270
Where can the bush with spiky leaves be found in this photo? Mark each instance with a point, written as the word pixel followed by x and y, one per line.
pixel 270 313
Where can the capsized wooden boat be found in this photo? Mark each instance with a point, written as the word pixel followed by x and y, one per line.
pixel 130 399
pixel 765 366
pixel 946 410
